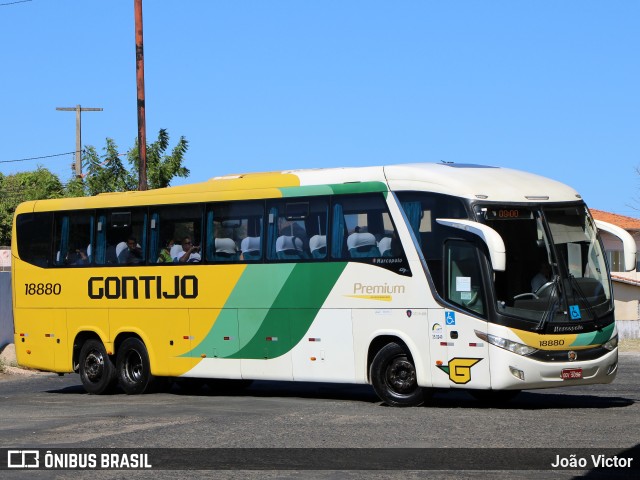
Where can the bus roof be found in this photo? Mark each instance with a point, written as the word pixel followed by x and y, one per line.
pixel 462 180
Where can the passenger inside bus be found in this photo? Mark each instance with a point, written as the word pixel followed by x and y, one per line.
pixel 165 253
pixel 133 253
pixel 189 252
pixel 77 256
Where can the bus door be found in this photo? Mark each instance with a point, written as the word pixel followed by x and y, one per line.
pixel 462 358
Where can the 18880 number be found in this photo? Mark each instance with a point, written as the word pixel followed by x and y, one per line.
pixel 42 288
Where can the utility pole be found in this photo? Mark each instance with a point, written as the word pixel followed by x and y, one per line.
pixel 142 127
pixel 78 109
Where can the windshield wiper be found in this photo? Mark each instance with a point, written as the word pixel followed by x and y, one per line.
pixel 552 305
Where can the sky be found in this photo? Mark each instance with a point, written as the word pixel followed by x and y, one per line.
pixel 551 87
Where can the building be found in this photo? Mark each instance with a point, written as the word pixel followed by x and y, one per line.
pixel 626 285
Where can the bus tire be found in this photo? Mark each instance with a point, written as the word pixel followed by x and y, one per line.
pixel 394 379
pixel 96 369
pixel 133 367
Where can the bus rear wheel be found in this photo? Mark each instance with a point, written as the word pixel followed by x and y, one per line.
pixel 97 371
pixel 133 367
pixel 394 379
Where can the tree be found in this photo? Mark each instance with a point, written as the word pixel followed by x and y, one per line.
pixel 21 187
pixel 107 173
pixel 161 168
pixel 104 173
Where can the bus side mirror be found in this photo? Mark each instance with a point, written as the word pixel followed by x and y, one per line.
pixel 628 243
pixel 489 236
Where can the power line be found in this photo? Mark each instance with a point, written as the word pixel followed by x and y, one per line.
pixel 37 158
pixel 13 3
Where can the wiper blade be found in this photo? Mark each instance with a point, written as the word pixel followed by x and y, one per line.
pixel 552 306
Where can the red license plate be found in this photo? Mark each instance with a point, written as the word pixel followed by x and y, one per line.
pixel 571 373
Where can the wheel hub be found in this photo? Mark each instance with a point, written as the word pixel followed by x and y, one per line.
pixel 401 375
pixel 94 366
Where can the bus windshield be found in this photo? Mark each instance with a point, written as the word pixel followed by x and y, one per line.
pixel 555 269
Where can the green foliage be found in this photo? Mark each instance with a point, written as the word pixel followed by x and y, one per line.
pixel 21 187
pixel 102 173
pixel 107 173
pixel 161 168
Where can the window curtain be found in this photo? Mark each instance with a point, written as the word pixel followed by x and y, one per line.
pixel 413 211
pixel 337 235
pixel 101 243
pixel 210 239
pixel 144 236
pixel 92 243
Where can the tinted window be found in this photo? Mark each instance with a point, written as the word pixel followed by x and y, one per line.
pixel 234 232
pixel 298 229
pixel 34 238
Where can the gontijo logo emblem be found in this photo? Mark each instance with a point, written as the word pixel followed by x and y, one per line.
pixel 459 369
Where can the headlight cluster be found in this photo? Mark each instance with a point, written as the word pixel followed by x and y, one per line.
pixel 612 343
pixel 515 347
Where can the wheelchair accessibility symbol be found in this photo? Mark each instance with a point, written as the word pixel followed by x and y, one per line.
pixel 450 318
pixel 574 310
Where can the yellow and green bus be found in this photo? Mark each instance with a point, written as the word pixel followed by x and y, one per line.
pixel 407 277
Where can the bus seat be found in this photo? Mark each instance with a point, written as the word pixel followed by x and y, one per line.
pixel 384 246
pixel 120 248
pixel 362 245
pixel 289 248
pixel 318 246
pixel 250 247
pixel 176 252
pixel 225 250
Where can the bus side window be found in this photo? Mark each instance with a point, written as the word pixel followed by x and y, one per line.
pixel 297 229
pixel 422 209
pixel 114 229
pixel 34 234
pixel 362 228
pixel 73 238
pixel 234 232
pixel 463 277
pixel 171 225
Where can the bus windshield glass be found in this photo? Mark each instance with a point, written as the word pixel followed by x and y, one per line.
pixel 555 269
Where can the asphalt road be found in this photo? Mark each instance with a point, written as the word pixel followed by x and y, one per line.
pixel 47 411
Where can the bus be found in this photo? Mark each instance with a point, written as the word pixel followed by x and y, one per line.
pixel 411 278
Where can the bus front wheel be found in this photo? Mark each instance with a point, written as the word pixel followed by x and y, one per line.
pixel 394 379
pixel 97 371
pixel 133 367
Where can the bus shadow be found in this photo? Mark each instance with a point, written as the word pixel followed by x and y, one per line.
pixel 529 400
pixel 445 399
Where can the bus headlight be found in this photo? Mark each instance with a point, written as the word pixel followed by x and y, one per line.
pixel 612 343
pixel 514 347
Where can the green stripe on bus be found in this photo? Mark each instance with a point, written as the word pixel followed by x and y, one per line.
pixel 594 338
pixel 269 310
pixel 333 189
pixel 292 312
